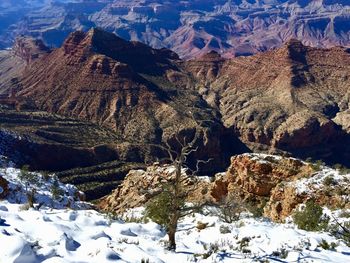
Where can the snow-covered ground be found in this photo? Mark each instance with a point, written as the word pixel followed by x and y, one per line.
pixel 84 235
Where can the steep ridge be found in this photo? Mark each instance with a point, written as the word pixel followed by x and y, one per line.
pixel 294 98
pixel 78 80
pixel 14 61
pixel 138 92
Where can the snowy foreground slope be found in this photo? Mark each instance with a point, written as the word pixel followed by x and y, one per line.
pixel 84 235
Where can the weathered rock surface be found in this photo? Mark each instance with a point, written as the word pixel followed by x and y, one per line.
pixel 190 28
pixel 29 49
pixel 294 98
pixel 281 184
pixel 138 92
pixel 256 176
pixel 139 185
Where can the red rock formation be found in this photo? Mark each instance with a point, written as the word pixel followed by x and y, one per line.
pixel 140 93
pixel 294 98
pixel 29 49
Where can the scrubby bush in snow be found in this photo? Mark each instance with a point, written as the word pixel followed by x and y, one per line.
pixel 230 208
pixel 31 181
pixel 311 217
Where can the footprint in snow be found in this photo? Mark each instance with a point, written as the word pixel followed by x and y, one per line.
pixel 128 233
pixel 2 222
pixel 99 235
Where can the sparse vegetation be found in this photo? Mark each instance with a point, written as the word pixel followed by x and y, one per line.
pixel 256 209
pixel 326 246
pixel 317 165
pixel 31 180
pixel 56 191
pixel 281 253
pixel 344 214
pixel 243 244
pixel 213 248
pixel 329 180
pixel 311 218
pixel 168 206
pixel 341 168
pixel 230 208
pixel 341 230
pixel 225 229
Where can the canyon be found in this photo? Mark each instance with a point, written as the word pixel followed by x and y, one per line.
pixel 292 101
pixel 190 28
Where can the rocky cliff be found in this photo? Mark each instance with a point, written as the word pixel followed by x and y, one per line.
pixel 274 183
pixel 294 98
pixel 138 92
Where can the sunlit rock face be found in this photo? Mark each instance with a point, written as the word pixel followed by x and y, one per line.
pixel 190 28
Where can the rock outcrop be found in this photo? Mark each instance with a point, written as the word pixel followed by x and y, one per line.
pixel 257 176
pixel 139 186
pixel 279 184
pixel 29 49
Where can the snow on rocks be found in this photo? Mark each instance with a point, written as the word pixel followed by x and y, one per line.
pixel 48 191
pixel 57 233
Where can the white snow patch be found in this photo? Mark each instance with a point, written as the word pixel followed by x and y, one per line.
pixel 60 234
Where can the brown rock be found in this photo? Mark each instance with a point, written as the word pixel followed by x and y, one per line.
pixel 248 176
pixel 255 179
pixel 4 187
pixel 138 186
pixel 125 86
pixel 258 176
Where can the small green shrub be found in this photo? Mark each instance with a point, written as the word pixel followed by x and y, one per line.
pixel 342 169
pixel 257 210
pixel 344 214
pixel 230 208
pixel 341 231
pixel 243 243
pixel 27 177
pixel 326 246
pixel 346 233
pixel 309 160
pixel 213 248
pixel 317 166
pixel 158 209
pixel 46 176
pixel 337 166
pixel 56 191
pixel 271 159
pixel 224 229
pixel 329 180
pixel 311 218
pixel 281 253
